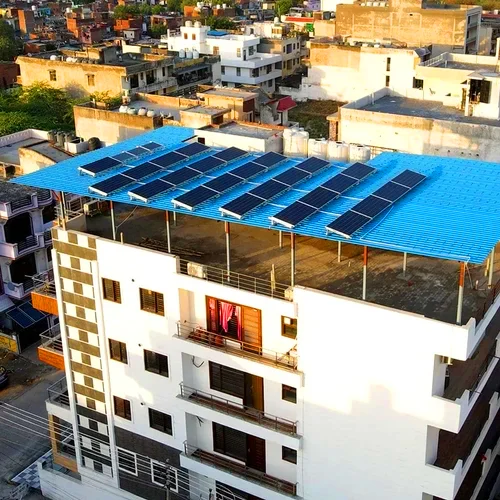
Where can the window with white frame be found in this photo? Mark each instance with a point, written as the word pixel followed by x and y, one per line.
pixel 163 474
pixel 127 461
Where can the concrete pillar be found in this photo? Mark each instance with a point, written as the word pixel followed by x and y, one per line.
pixel 167 223
pixel 227 229
pixel 62 204
pixel 339 251
pixel 492 268
pixel 175 219
pixel 405 262
pixel 461 281
pixel 113 226
pixel 280 233
pixel 365 269
pixel 292 259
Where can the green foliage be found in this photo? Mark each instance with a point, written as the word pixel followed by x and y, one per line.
pixel 158 10
pixel 187 3
pixel 220 23
pixel 158 30
pixel 145 9
pixel 283 6
pixel 174 5
pixel 111 101
pixel 127 11
pixel 37 106
pixel 8 44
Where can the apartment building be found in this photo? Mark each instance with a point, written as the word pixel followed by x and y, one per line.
pixel 346 71
pixel 257 359
pixel 99 69
pixel 241 61
pixel 449 28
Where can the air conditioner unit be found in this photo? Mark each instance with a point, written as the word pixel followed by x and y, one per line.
pixel 446 360
pixel 289 293
pixel 197 270
pixel 91 208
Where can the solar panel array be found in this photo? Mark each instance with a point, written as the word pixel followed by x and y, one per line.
pixel 219 185
pixel 277 185
pixel 372 206
pixel 319 197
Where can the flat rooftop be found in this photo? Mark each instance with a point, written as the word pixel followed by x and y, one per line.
pixel 10 152
pixel 225 92
pixel 240 129
pixel 207 110
pixel 158 107
pixel 489 70
pixel 424 109
pixel 13 192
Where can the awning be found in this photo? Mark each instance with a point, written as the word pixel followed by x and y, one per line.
pixel 285 104
pixel 25 315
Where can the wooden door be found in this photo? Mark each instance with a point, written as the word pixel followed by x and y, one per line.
pixel 256 455
pixel 251 323
pixel 254 392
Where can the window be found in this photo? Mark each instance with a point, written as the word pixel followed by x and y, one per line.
pixel 227 380
pixel 288 327
pixel 229 442
pixel 388 64
pixel 111 290
pixel 185 36
pixel 52 75
pixel 387 81
pixel 122 408
pixel 215 51
pixel 152 301
pixel 91 80
pixel 93 426
pixel 238 52
pixel 95 446
pixel 417 83
pixel 98 466
pixel 127 461
pixel 238 71
pixel 485 91
pixel 160 421
pixel 156 363
pixel 193 36
pixel 223 70
pixel 164 475
pixel 163 71
pixel 118 351
pixel 289 455
pixel 251 51
pixel 289 393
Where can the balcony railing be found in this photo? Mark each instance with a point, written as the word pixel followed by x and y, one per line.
pixel 240 470
pixel 260 286
pixel 238 410
pixel 20 203
pixel 47 236
pixel 51 339
pixel 44 283
pixel 44 195
pixel 236 347
pixel 30 242
pixel 488 302
pixel 58 393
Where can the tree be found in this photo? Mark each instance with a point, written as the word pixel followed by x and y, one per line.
pixel 157 30
pixel 174 5
pixel 158 10
pixel 220 23
pixel 8 44
pixel 283 7
pixel 145 9
pixel 126 11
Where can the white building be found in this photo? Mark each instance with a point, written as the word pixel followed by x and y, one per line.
pixel 241 63
pixel 249 388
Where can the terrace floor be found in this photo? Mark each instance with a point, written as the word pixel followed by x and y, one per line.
pixel 430 286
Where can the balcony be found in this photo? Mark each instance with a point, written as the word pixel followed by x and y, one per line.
pixel 58 393
pixel 194 333
pixel 238 410
pixel 240 470
pixel 50 350
pixel 43 296
pixel 18 290
pixel 20 248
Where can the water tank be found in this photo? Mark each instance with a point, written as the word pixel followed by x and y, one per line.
pixel 358 152
pixel 53 57
pixel 60 139
pixel 287 141
pixel 68 137
pixel 94 143
pixel 197 24
pixel 276 20
pixel 189 24
pixel 337 150
pixel 317 148
pixel 224 5
pixel 123 108
pixel 298 143
pixel 151 113
pixel 182 53
pixel 131 111
pixel 189 54
pixel 52 136
pixel 196 54
pixel 217 6
pixel 142 111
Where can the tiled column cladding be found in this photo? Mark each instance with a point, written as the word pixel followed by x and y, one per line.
pixel 76 263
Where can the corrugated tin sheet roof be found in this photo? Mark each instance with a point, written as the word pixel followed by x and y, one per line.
pixel 454 214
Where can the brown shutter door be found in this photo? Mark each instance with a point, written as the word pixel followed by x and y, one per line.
pixel 252 333
pixel 256 457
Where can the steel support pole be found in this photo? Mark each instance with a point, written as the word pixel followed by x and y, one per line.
pixel 461 281
pixel 113 226
pixel 405 262
pixel 62 203
pixel 167 223
pixel 292 259
pixel 365 269
pixel 492 268
pixel 339 251
pixel 175 219
pixel 280 233
pixel 227 229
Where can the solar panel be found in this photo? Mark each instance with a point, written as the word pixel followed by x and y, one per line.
pixel 180 176
pixel 339 183
pixel 319 197
pixel 138 151
pixel 268 190
pixel 207 164
pixel 292 215
pixel 270 159
pixel 193 149
pixel 194 197
pixel 149 190
pixel 168 159
pixel 230 154
pixel 241 205
pixel 111 184
pixel 248 170
pixel 33 313
pixel 291 176
pixel 223 183
pixel 366 210
pixel 358 171
pixel 312 165
pixel 123 156
pixel 151 146
pixel 99 166
pixel 23 320
pixel 142 171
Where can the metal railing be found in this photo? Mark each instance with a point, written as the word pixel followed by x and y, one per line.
pixel 47 236
pixel 434 61
pixel 482 370
pixel 30 242
pixel 58 393
pixel 240 281
pixel 195 333
pixel 20 203
pixel 238 410
pixel 44 195
pixel 241 470
pixel 44 283
pixel 51 339
pixel 488 302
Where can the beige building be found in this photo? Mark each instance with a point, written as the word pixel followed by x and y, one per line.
pixel 99 69
pixel 449 28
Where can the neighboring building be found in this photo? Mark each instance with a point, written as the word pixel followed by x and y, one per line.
pixel 347 71
pixel 299 378
pixel 241 62
pixel 241 102
pixel 9 71
pixel 448 28
pixel 99 69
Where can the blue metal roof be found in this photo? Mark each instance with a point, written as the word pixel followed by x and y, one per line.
pixel 454 214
